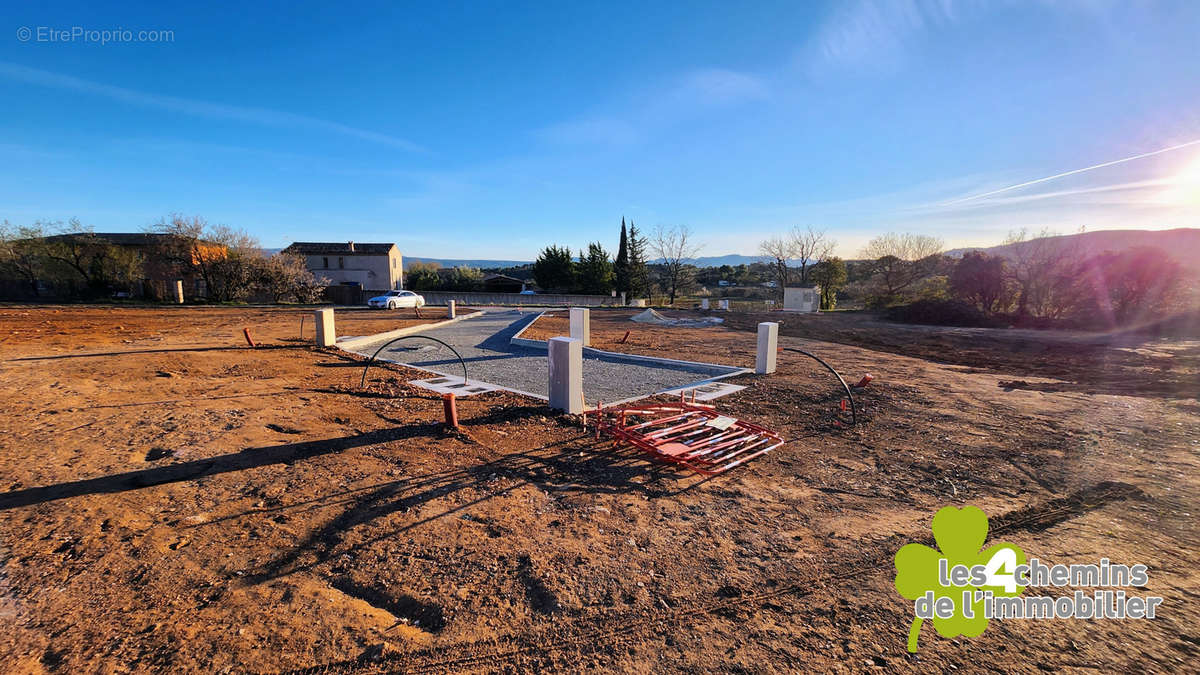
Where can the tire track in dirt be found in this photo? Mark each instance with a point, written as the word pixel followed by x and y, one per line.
pixel 609 630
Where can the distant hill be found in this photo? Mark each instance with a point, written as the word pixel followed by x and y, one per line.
pixel 1183 244
pixel 732 260
pixel 452 262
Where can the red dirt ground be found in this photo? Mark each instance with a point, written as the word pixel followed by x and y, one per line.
pixel 172 500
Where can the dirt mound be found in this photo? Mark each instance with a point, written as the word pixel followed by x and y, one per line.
pixel 653 317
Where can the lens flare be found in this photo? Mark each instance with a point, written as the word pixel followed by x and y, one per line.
pixel 1183 188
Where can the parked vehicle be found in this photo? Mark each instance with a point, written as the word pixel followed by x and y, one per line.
pixel 396 300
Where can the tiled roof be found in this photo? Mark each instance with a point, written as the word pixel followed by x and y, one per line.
pixel 338 248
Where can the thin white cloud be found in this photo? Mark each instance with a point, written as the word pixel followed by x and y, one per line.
pixel 720 86
pixel 589 131
pixel 684 96
pixel 874 33
pixel 1072 172
pixel 263 116
pixel 1126 187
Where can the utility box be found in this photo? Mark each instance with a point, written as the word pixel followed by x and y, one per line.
pixel 581 325
pixel 768 346
pixel 326 333
pixel 802 299
pixel 566 374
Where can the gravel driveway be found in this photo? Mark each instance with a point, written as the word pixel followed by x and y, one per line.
pixel 483 343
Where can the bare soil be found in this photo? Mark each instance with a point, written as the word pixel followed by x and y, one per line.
pixel 173 500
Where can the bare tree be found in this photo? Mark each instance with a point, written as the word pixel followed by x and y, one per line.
pixel 906 246
pixel 1043 270
pixel 809 246
pixel 900 259
pixel 21 252
pixel 95 261
pixel 674 245
pixel 285 276
pixel 226 259
pixel 777 251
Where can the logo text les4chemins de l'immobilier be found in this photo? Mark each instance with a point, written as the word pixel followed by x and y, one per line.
pixel 961 587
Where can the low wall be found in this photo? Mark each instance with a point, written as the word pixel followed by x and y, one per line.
pixel 352 295
pixel 471 298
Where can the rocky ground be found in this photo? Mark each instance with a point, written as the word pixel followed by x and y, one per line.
pixel 173 500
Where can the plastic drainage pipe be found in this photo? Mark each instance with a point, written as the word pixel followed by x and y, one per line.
pixel 362 383
pixel 853 408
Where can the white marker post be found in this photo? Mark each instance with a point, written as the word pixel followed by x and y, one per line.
pixel 768 345
pixel 326 335
pixel 581 325
pixel 704 303
pixel 179 291
pixel 449 309
pixel 723 304
pixel 566 374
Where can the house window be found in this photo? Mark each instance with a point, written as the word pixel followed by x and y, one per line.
pixel 325 262
pixel 341 263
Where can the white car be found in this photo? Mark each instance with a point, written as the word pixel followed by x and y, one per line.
pixel 396 299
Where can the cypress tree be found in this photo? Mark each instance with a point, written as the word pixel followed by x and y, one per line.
pixel 639 275
pixel 622 264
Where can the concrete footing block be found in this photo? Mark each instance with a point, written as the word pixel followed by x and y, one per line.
pixel 768 346
pixel 449 309
pixel 723 304
pixel 581 325
pixel 566 374
pixel 326 334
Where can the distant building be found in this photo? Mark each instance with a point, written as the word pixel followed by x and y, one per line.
pixel 802 299
pixel 502 283
pixel 159 272
pixel 370 266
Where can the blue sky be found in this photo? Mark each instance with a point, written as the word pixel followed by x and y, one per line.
pixel 488 130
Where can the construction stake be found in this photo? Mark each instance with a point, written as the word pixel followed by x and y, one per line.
pixel 451 411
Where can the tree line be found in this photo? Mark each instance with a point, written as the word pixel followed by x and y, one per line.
pixel 1044 281
pixel 595 271
pixel 70 260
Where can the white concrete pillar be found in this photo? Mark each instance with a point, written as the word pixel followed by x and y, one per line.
pixel 449 309
pixel 179 291
pixel 323 319
pixel 704 303
pixel 723 304
pixel 566 374
pixel 623 301
pixel 768 346
pixel 581 325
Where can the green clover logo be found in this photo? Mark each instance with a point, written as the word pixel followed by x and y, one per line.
pixel 960 534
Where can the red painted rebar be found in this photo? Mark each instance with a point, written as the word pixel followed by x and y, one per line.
pixel 680 433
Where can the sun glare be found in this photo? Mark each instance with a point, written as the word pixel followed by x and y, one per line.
pixel 1183 189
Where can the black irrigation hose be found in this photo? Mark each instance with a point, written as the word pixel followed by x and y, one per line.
pixel 363 382
pixel 853 408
